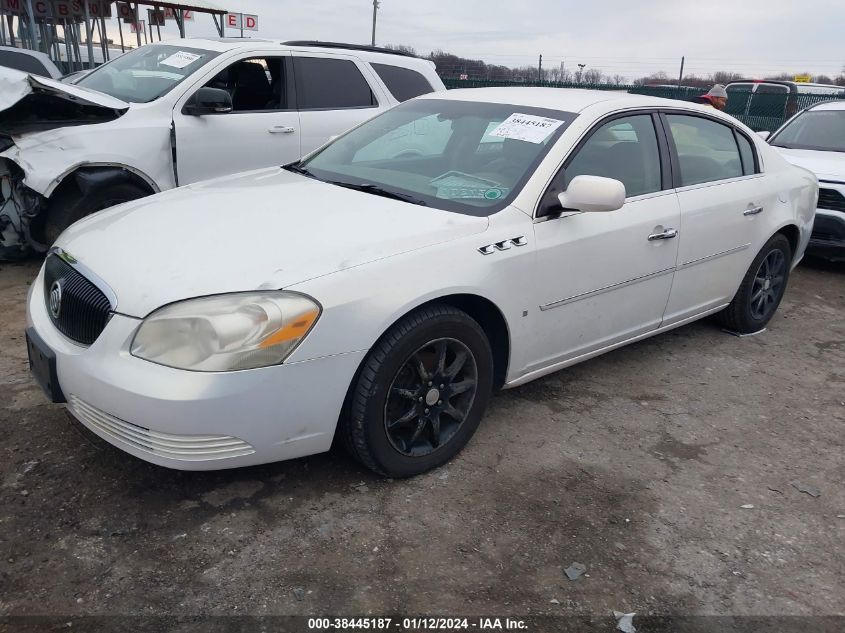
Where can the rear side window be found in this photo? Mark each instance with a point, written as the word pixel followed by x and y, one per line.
pixel 707 151
pixel 403 83
pixel 746 152
pixel 330 84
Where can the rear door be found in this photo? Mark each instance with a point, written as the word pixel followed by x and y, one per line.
pixel 724 200
pixel 603 278
pixel 262 130
pixel 332 95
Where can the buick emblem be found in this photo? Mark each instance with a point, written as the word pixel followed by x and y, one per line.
pixel 56 298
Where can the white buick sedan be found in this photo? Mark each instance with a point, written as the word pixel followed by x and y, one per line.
pixel 380 289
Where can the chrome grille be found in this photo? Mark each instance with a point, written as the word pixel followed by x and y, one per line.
pixel 84 310
pixel 183 447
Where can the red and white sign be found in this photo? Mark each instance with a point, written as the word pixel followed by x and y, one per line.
pixel 125 12
pixel 59 8
pixel 170 14
pixel 138 27
pixel 156 18
pixel 242 21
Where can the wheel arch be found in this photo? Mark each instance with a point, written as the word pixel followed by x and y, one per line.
pixel 793 234
pixel 104 173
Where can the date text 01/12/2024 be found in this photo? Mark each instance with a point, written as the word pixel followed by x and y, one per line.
pixel 417 624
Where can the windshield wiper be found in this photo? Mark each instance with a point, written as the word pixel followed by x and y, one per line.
pixel 297 168
pixel 378 190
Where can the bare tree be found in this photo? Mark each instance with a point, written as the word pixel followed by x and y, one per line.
pixel 592 76
pixel 823 79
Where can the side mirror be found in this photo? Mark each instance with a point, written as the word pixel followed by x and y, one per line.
pixel 764 134
pixel 209 101
pixel 593 194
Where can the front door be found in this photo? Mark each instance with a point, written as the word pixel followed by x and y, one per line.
pixel 262 130
pixel 605 277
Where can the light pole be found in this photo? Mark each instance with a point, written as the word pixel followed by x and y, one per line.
pixel 375 10
pixel 580 70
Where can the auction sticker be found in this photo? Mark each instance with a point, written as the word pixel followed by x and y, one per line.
pixel 180 59
pixel 526 127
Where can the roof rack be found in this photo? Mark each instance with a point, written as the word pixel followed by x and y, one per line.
pixel 354 47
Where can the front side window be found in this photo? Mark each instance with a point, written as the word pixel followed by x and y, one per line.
pixel 146 73
pixel 707 150
pixel 820 130
pixel 403 83
pixel 624 149
pixel 255 84
pixel 327 84
pixel 436 152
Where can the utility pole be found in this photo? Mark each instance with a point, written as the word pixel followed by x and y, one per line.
pixel 375 10
pixel 540 70
pixel 580 71
pixel 681 76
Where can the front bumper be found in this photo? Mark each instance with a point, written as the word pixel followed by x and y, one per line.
pixel 828 238
pixel 195 420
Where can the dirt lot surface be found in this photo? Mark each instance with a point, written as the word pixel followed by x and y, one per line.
pixel 642 465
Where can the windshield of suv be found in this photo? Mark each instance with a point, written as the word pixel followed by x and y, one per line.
pixel 459 156
pixel 146 73
pixel 822 130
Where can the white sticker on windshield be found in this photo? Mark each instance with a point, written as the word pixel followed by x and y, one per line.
pixel 180 59
pixel 526 127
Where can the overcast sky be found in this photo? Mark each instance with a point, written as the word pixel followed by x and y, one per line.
pixel 754 37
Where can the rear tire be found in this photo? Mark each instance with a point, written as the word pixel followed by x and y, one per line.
pixel 69 206
pixel 420 394
pixel 761 290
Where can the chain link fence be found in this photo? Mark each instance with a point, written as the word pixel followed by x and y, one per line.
pixel 758 109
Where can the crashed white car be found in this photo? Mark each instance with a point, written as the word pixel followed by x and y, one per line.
pixel 382 295
pixel 815 139
pixel 171 114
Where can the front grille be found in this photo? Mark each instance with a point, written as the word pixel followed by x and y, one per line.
pixel 83 310
pixel 194 448
pixel 831 199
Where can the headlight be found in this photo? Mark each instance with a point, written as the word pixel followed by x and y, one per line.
pixel 226 332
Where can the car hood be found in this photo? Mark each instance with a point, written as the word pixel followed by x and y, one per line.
pixel 825 165
pixel 29 102
pixel 257 230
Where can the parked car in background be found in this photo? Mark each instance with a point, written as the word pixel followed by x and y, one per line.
pixel 27 61
pixel 815 139
pixel 170 114
pixel 393 291
pixel 763 105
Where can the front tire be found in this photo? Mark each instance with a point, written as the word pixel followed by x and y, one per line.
pixel 420 393
pixel 761 290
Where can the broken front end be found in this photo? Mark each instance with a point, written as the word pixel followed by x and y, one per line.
pixel 21 213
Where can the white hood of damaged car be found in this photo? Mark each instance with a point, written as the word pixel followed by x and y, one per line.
pixel 15 85
pixel 825 165
pixel 257 230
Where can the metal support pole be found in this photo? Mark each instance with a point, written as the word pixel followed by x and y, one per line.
pixel 681 75
pixel 88 36
pixel 69 68
pixel 11 30
pixel 137 24
pixel 104 39
pixel 375 11
pixel 30 27
pixel 120 31
pixel 158 26
pixel 179 16
pixel 540 70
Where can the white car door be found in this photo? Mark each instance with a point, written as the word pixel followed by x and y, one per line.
pixel 724 203
pixel 333 95
pixel 602 278
pixel 262 129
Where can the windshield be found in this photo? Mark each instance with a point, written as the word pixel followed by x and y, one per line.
pixel 822 130
pixel 459 156
pixel 146 73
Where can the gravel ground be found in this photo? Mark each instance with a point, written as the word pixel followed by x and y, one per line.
pixel 642 465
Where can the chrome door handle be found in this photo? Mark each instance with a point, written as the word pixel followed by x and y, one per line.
pixel 281 129
pixel 753 211
pixel 668 234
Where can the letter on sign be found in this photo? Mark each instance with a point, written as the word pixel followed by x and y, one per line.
pixel 233 20
pixel 250 22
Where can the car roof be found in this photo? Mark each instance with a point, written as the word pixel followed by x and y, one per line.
pixel 828 105
pixel 564 99
pixel 224 44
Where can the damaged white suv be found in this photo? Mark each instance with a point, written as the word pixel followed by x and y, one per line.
pixel 170 114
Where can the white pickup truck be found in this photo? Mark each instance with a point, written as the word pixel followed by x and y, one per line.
pixel 174 113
